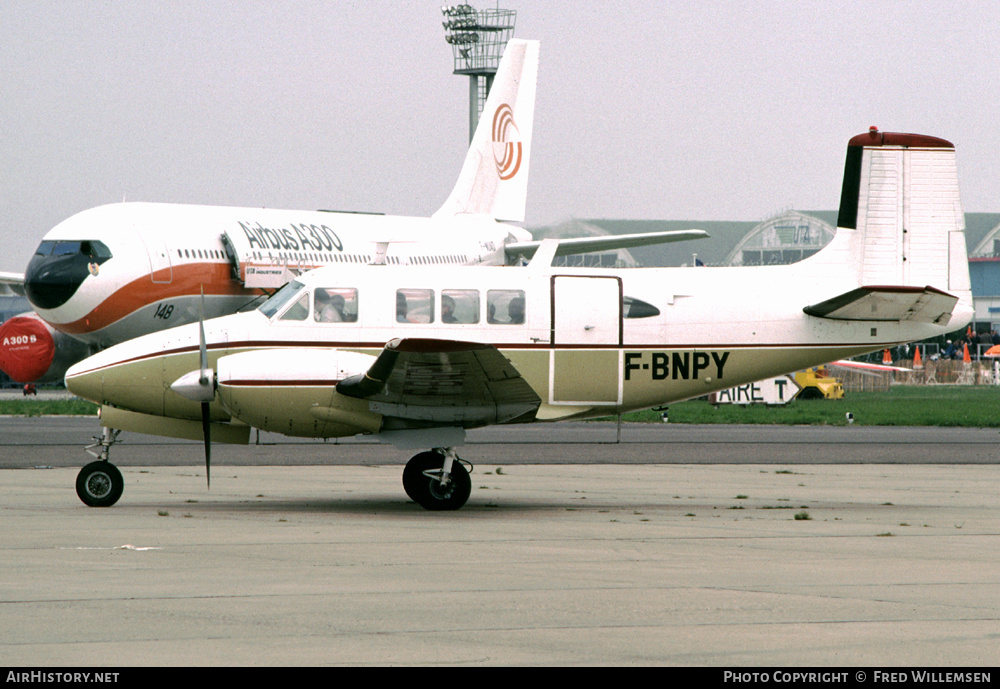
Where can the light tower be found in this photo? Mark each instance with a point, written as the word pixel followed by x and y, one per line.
pixel 478 39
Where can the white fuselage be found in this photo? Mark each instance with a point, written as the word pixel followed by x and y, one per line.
pixel 591 342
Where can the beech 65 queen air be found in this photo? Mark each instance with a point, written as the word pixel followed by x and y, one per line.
pixel 119 271
pixel 416 356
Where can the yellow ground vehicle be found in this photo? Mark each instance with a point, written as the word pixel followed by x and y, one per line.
pixel 816 384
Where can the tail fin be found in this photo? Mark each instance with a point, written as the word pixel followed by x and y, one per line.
pixel 494 179
pixel 901 196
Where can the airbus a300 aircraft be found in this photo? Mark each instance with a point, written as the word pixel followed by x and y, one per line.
pixel 115 272
pixel 417 356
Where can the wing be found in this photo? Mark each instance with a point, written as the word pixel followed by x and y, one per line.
pixel 582 245
pixel 893 303
pixel 422 382
pixel 12 282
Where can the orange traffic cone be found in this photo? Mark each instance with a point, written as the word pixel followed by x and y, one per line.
pixel 917 363
pixel 966 359
pixel 886 357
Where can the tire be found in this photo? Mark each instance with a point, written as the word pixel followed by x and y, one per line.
pixel 427 492
pixel 99 484
pixel 810 394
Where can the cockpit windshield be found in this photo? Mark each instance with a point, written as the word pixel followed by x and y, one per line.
pixel 280 298
pixel 92 249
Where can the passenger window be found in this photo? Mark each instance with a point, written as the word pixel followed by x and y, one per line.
pixel 298 311
pixel 336 305
pixel 505 306
pixel 415 306
pixel 460 306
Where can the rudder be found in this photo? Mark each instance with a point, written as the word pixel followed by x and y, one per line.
pixel 901 195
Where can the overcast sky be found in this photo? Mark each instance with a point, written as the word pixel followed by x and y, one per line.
pixel 658 109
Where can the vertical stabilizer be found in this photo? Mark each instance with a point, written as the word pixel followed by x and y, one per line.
pixel 494 179
pixel 901 196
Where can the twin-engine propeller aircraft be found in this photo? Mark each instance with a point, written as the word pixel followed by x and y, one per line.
pixel 115 272
pixel 416 356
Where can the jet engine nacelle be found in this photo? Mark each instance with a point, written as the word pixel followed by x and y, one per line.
pixel 295 392
pixel 31 351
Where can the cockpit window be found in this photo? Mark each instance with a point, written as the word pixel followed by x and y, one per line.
pixel 91 249
pixel 636 308
pixel 280 298
pixel 66 248
pixel 95 250
pixel 299 311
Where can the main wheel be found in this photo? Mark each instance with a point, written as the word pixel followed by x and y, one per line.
pixel 427 491
pixel 100 484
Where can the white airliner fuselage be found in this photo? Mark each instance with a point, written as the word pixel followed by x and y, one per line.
pixel 160 257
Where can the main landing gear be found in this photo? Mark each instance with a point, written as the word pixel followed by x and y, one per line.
pixel 437 480
pixel 100 484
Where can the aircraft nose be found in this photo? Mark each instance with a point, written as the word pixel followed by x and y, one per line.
pixel 50 281
pixel 85 382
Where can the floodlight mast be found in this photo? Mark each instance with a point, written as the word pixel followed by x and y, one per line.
pixel 477 39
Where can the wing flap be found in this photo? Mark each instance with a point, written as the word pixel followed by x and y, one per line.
pixel 427 382
pixel 887 303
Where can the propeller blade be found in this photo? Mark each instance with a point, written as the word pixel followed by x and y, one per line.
pixel 206 429
pixel 206 419
pixel 202 346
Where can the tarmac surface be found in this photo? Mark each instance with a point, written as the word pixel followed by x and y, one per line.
pixel 567 553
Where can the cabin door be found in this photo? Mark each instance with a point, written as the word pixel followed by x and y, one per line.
pixel 160 268
pixel 586 359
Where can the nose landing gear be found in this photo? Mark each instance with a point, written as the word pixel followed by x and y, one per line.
pixel 100 484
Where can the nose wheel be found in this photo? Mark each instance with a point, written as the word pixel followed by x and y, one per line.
pixel 100 484
pixel 437 480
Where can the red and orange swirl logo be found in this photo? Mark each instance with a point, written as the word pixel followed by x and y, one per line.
pixel 507 150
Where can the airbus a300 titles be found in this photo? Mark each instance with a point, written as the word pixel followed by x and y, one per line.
pixel 417 356
pixel 119 271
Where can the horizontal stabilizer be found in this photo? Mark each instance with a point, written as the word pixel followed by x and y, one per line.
pixel 890 303
pixel 583 245
pixel 422 382
pixel 865 366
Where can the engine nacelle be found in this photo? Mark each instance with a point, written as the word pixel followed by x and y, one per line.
pixel 32 352
pixel 295 393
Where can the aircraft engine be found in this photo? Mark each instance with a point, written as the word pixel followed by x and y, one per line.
pixel 294 393
pixel 32 352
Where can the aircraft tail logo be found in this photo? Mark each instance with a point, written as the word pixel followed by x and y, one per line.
pixel 507 148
